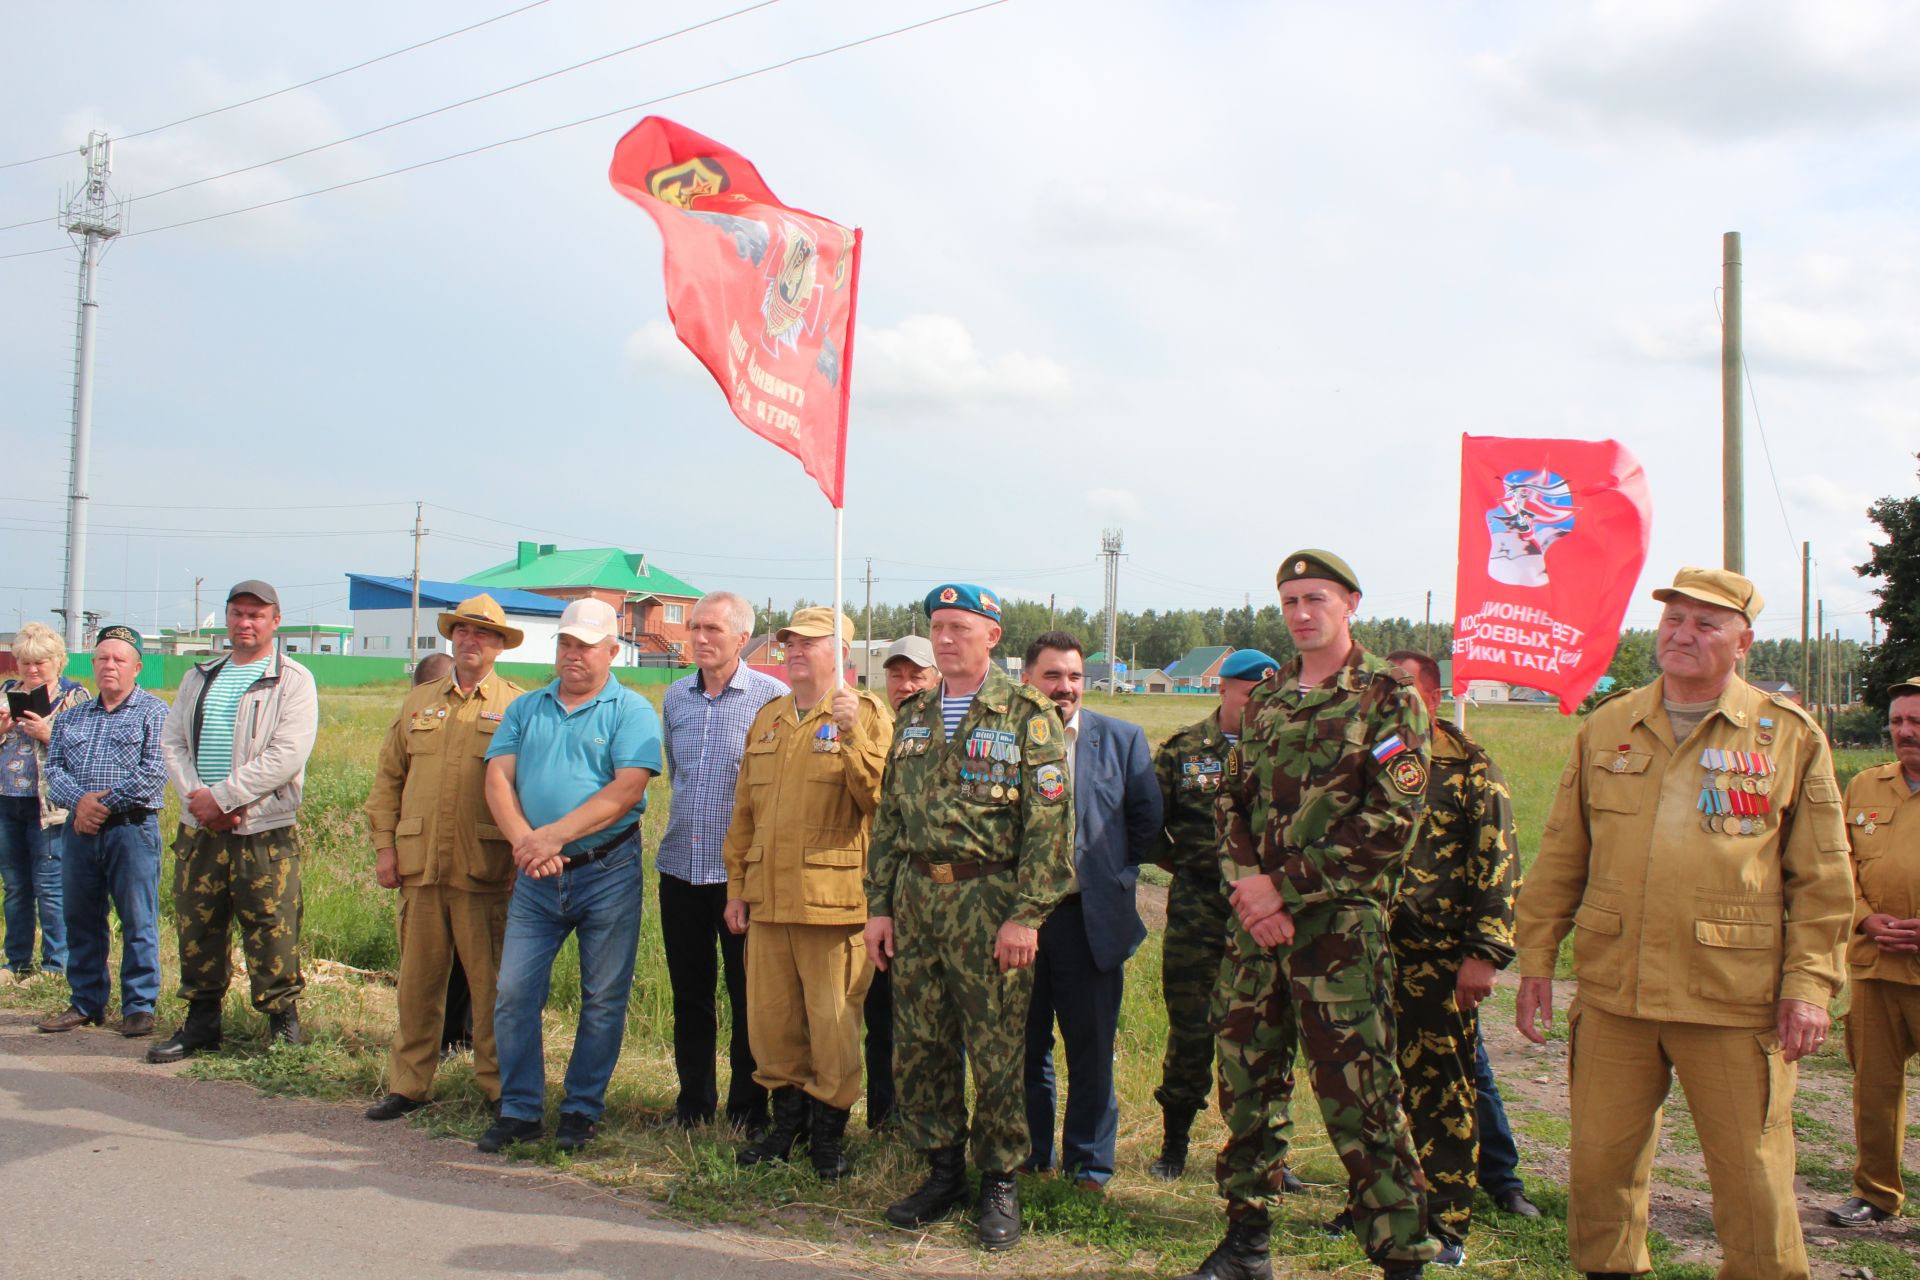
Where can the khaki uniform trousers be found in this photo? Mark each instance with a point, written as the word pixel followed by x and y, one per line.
pixel 435 923
pixel 1740 1093
pixel 1883 1032
pixel 806 984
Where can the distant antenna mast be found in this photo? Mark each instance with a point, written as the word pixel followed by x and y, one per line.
pixel 1110 552
pixel 93 215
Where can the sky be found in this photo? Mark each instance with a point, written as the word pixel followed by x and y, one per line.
pixel 1234 277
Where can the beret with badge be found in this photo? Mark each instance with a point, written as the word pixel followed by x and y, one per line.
pixel 964 595
pixel 1313 563
pixel 1248 664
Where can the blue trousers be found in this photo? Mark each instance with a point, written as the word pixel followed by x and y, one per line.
pixel 600 902
pixel 1499 1171
pixel 1068 986
pixel 30 871
pixel 119 865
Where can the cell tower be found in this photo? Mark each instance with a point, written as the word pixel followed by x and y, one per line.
pixel 1110 552
pixel 93 216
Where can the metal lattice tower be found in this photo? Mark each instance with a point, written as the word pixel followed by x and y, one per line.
pixel 94 217
pixel 1110 552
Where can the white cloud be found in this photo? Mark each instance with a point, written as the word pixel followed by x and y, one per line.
pixel 1093 215
pixel 933 361
pixel 655 348
pixel 1114 504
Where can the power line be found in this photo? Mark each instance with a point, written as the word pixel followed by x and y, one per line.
pixel 424 115
pixel 540 133
pixel 1765 448
pixel 234 106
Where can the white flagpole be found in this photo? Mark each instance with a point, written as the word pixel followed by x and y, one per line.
pixel 839 539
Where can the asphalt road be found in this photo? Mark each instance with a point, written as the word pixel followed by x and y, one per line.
pixel 118 1169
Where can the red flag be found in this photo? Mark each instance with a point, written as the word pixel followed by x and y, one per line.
pixel 762 293
pixel 1553 534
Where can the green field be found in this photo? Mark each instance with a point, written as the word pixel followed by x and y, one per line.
pixel 1141 1228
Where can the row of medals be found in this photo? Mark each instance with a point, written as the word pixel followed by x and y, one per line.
pixel 999 779
pixel 1736 793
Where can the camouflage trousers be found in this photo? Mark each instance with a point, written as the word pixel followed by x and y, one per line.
pixel 952 1006
pixel 1191 951
pixel 1328 991
pixel 1437 1050
pixel 219 877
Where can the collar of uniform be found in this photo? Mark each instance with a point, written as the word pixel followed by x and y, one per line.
pixel 1350 675
pixel 1732 704
pixel 996 691
pixel 1210 730
pixel 478 691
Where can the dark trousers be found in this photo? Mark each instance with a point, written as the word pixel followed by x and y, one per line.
pixel 1086 1001
pixel 457 1029
pixel 1499 1171
pixel 690 921
pixel 878 1013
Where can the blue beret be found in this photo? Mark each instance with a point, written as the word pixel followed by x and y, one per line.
pixel 964 595
pixel 1247 664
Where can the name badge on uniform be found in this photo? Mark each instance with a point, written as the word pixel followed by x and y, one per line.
pixel 492 715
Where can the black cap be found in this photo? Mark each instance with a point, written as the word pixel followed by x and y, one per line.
pixel 254 587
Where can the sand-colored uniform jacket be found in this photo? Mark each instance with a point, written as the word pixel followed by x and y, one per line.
pixel 1883 825
pixel 1677 914
pixel 796 848
pixel 429 801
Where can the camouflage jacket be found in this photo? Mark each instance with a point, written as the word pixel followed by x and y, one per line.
pixel 1324 790
pixel 1463 872
pixel 997 791
pixel 1191 767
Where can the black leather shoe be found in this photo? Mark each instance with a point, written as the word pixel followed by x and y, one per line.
pixel 1517 1204
pixel 199 1033
pixel 1854 1213
pixel 68 1021
pixel 576 1131
pixel 999 1225
pixel 284 1028
pixel 1291 1185
pixel 1243 1255
pixel 945 1187
pixel 393 1106
pixel 506 1131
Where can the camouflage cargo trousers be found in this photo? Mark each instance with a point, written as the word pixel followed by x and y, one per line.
pixel 952 1006
pixel 1191 950
pixel 1328 991
pixel 220 877
pixel 1437 1051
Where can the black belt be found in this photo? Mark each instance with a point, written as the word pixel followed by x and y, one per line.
pixel 127 818
pixel 600 851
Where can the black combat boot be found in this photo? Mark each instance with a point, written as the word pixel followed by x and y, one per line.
pixel 1243 1255
pixel 945 1187
pixel 200 1032
pixel 999 1226
pixel 284 1027
pixel 1173 1148
pixel 826 1148
pixel 789 1119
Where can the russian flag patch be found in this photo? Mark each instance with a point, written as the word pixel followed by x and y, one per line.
pixel 1389 749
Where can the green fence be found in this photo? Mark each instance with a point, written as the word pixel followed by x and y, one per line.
pixel 342 671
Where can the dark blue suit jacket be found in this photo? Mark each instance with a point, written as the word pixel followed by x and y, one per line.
pixel 1116 798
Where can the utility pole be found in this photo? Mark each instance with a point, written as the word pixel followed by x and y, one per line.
pixel 1732 456
pixel 1049 610
pixel 413 628
pixel 1110 549
pixel 869 681
pixel 1426 628
pixel 93 215
pixel 196 607
pixel 1806 669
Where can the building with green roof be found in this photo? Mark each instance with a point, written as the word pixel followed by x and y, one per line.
pixel 654 605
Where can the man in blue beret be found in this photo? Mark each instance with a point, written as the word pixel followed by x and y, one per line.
pixel 1191 767
pixel 972 850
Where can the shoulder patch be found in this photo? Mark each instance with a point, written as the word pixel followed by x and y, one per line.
pixel 1408 775
pixel 1039 732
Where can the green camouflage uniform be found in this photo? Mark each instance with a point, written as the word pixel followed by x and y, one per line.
pixel 1455 902
pixel 1191 767
pixel 218 877
pixel 997 792
pixel 1311 802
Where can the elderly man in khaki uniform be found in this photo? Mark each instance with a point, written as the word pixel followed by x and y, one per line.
pixel 1696 851
pixel 1883 962
pixel 435 840
pixel 796 855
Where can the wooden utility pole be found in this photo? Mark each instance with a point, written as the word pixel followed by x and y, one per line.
pixel 1426 628
pixel 1806 659
pixel 1820 672
pixel 869 663
pixel 1049 610
pixel 1732 456
pixel 413 628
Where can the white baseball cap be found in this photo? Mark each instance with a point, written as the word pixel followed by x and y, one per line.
pixel 590 621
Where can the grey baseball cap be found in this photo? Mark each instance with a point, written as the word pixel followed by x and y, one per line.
pixel 262 591
pixel 915 649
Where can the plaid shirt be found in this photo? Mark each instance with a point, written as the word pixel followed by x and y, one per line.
pixel 117 751
pixel 706 737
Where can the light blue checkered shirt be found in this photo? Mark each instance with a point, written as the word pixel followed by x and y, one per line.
pixel 706 737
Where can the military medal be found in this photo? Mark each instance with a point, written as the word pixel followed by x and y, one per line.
pixel 997 791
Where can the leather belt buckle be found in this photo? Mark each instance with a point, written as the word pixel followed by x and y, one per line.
pixel 942 872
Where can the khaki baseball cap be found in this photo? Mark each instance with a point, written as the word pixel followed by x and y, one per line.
pixel 590 621
pixel 915 649
pixel 813 622
pixel 1720 587
pixel 1905 689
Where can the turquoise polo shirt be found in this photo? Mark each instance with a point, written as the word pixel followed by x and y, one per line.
pixel 564 756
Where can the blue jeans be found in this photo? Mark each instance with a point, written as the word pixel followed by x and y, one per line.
pixel 30 870
pixel 1499 1158
pixel 122 865
pixel 601 901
